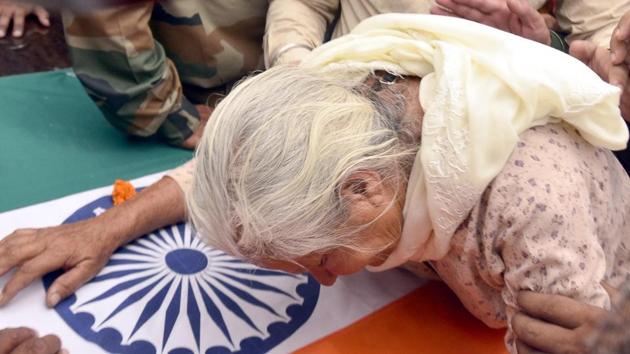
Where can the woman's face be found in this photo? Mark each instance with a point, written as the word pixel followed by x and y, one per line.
pixel 376 210
pixel 372 203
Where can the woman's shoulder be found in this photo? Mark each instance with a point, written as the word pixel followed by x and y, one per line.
pixel 556 154
pixel 553 173
pixel 557 146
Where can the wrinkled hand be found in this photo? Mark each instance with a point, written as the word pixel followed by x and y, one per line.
pixel 554 324
pixel 26 341
pixel 81 249
pixel 600 60
pixel 620 42
pixel 17 12
pixel 514 16
pixel 204 114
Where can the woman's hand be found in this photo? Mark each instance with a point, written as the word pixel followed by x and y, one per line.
pixel 17 12
pixel 514 16
pixel 26 341
pixel 83 248
pixel 554 324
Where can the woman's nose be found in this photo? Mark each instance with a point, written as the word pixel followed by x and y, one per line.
pixel 323 276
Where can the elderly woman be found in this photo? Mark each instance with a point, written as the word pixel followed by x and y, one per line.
pixel 483 154
pixel 416 139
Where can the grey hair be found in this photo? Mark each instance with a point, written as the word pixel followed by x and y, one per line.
pixel 275 152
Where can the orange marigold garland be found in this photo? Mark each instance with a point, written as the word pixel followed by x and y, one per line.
pixel 123 190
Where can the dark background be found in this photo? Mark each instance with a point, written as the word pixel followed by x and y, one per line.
pixel 39 49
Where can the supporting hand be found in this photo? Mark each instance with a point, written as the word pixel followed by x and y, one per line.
pixel 554 324
pixel 514 16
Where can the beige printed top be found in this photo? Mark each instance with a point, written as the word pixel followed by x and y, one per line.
pixel 183 175
pixel 555 220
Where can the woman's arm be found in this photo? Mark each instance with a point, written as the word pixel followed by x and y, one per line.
pixel 551 222
pixel 563 203
pixel 83 248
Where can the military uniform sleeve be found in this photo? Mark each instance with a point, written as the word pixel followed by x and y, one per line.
pixel 127 74
pixel 295 27
pixel 593 20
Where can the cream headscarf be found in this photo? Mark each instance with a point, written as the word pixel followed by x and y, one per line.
pixel 480 89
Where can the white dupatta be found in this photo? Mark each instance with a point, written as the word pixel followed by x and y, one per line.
pixel 480 89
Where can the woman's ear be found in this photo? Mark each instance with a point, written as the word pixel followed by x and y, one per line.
pixel 366 187
pixel 369 198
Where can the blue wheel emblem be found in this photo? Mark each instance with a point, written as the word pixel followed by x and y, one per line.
pixel 186 261
pixel 167 292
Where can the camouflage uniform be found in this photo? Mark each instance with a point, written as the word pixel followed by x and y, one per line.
pixel 147 64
